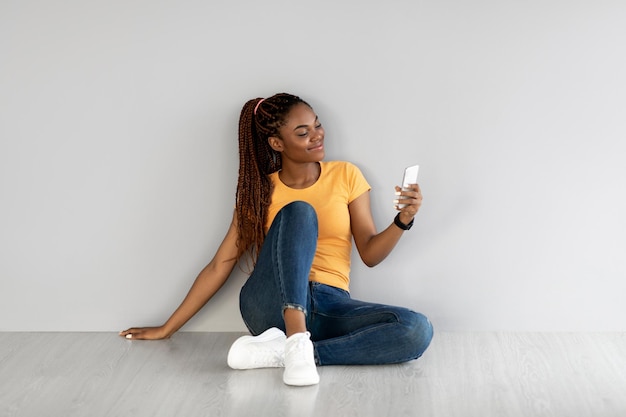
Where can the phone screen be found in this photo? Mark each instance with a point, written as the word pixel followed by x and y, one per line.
pixel 410 176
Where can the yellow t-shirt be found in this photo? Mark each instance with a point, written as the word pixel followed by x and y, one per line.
pixel 339 184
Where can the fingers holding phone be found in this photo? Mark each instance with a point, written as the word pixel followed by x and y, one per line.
pixel 408 199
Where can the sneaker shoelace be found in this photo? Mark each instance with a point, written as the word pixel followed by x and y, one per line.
pixel 300 349
pixel 263 357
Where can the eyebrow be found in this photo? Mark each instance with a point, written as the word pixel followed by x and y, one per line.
pixel 305 126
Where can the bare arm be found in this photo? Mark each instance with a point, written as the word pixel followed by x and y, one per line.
pixel 374 247
pixel 208 282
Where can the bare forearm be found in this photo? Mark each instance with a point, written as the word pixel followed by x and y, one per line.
pixel 374 247
pixel 381 245
pixel 208 282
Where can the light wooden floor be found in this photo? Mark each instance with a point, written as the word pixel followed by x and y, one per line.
pixel 462 374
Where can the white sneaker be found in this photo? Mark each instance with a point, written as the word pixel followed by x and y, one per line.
pixel 300 366
pixel 266 350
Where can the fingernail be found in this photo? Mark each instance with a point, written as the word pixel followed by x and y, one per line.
pixel 398 192
pixel 396 201
pixel 129 336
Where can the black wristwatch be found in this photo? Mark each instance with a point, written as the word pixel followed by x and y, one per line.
pixel 401 225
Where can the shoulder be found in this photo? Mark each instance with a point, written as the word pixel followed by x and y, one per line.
pixel 347 173
pixel 340 166
pixel 273 177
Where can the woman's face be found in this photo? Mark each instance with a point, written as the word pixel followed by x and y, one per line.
pixel 301 137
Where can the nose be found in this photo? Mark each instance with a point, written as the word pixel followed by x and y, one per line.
pixel 319 135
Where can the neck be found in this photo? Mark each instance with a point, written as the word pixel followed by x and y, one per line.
pixel 300 175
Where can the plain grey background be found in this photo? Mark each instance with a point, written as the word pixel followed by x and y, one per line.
pixel 118 152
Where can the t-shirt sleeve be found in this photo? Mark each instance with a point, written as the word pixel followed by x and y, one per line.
pixel 358 183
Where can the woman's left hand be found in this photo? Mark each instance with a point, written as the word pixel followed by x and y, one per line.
pixel 412 198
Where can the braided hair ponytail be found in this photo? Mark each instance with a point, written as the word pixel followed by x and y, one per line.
pixel 259 119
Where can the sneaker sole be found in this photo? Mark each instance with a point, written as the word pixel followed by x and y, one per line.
pixel 302 382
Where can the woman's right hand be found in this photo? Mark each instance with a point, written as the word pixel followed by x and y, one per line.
pixel 145 333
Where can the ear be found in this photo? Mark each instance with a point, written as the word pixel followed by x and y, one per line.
pixel 275 143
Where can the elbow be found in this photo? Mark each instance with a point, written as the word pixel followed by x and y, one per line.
pixel 371 258
pixel 371 263
pixel 371 254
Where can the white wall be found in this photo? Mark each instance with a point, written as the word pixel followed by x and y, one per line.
pixel 118 152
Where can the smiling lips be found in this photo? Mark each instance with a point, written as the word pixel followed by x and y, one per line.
pixel 317 147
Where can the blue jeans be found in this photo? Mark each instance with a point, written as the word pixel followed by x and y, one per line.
pixel 344 331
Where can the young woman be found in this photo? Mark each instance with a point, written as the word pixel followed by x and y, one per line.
pixel 294 221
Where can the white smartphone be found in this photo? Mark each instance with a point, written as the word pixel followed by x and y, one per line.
pixel 410 177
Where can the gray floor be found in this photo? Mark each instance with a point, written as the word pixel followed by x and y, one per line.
pixel 462 374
